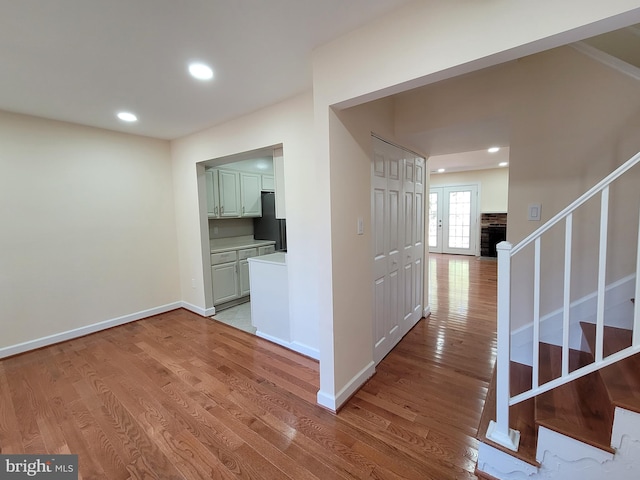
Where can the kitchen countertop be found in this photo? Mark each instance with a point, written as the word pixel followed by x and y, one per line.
pixel 220 245
pixel 278 258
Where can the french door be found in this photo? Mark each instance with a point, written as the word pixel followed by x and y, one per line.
pixel 397 216
pixel 453 219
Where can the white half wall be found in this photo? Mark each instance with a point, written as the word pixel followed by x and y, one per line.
pixel 88 228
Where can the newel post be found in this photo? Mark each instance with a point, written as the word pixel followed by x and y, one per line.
pixel 499 431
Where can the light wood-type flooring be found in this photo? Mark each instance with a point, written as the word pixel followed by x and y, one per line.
pixel 178 396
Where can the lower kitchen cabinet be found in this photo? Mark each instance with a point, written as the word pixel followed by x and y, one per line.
pixel 245 289
pixel 230 273
pixel 225 282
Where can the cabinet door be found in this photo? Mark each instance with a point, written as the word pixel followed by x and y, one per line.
pixel 266 250
pixel 229 185
pixel 250 185
pixel 225 282
pixel 244 278
pixel 213 204
pixel 278 171
pixel 268 184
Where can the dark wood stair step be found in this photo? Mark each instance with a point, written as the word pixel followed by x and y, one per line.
pixel 622 379
pixel 580 409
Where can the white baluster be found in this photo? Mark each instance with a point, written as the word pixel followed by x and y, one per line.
pixel 567 294
pixel 536 315
pixel 602 272
pixel 636 306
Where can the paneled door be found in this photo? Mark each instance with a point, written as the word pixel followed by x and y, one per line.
pixel 453 219
pixel 397 211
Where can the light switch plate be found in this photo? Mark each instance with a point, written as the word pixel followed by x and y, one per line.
pixel 535 212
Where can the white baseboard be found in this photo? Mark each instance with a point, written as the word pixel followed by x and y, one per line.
pixel 86 330
pixel 295 346
pixel 427 311
pixel 203 312
pixel 333 403
pixel 618 313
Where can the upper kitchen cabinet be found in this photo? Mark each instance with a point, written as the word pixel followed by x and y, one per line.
pixel 232 194
pixel 268 183
pixel 278 173
pixel 229 188
pixel 250 186
pixel 234 183
pixel 213 203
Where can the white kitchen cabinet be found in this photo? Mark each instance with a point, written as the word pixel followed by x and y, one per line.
pixel 268 183
pixel 225 282
pixel 243 269
pixel 213 198
pixel 229 193
pixel 278 171
pixel 250 186
pixel 266 250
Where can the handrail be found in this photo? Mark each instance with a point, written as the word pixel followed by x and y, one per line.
pixel 579 201
pixel 499 430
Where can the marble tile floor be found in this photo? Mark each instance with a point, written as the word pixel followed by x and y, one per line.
pixel 238 317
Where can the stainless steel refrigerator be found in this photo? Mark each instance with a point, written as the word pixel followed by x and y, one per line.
pixel 268 227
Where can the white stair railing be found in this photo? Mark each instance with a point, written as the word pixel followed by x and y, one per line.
pixel 499 431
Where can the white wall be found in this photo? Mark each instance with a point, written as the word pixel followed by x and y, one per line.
pixel 419 44
pixel 493 183
pixel 572 120
pixel 88 231
pixel 289 123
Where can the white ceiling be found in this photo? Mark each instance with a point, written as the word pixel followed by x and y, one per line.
pixel 82 61
pixel 474 160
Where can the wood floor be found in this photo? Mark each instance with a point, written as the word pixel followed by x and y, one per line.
pixel 178 396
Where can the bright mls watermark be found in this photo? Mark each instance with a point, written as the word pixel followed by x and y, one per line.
pixel 49 467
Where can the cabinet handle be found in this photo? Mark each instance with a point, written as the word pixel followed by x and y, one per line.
pixel 243 210
pixel 221 210
pixel 216 211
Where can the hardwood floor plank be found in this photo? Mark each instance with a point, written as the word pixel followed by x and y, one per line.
pixel 178 396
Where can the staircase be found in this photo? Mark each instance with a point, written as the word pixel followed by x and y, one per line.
pixel 574 410
pixel 583 410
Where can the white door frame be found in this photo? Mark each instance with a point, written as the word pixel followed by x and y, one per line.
pixel 475 217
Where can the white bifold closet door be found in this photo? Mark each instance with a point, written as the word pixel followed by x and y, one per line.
pixel 397 215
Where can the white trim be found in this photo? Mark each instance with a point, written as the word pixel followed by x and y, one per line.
pixel 295 346
pixel 625 424
pixel 427 311
pixel 567 448
pixel 608 60
pixel 499 464
pixel 203 312
pixel 306 350
pixel 86 330
pixel 333 403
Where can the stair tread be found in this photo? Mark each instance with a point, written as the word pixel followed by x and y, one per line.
pixel 615 339
pixel 621 378
pixel 521 416
pixel 581 408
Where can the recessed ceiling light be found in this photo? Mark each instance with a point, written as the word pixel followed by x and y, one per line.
pixel 493 149
pixel 441 170
pixel 127 117
pixel 503 164
pixel 201 71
